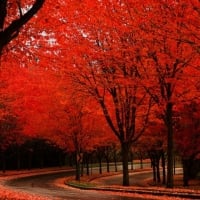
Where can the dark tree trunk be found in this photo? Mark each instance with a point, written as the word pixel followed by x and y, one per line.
pixel 82 169
pixel 78 166
pixel 170 159
pixel 87 164
pixel 108 165
pixel 186 169
pixel 100 165
pixel 158 170
pixel 125 152
pixel 154 170
pixel 78 171
pixel 91 166
pixel 141 163
pixel 115 161
pixel 163 167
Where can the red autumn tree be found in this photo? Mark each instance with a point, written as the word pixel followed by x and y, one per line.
pixel 167 59
pixel 104 65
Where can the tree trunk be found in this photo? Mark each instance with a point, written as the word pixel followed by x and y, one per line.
pixel 100 166
pixel 141 163
pixel 82 169
pixel 78 166
pixel 87 164
pixel 108 165
pixel 78 171
pixel 157 170
pixel 91 166
pixel 154 170
pixel 170 159
pixel 163 167
pixel 185 172
pixel 115 160
pixel 125 152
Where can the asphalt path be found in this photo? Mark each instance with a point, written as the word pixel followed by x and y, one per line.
pixel 43 185
pixel 135 179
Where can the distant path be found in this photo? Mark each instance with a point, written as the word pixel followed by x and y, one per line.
pixel 135 178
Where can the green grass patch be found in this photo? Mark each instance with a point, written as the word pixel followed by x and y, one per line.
pixel 80 184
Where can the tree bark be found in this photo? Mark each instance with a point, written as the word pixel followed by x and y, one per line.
pixel 78 166
pixel 154 170
pixel 158 170
pixel 185 172
pixel 9 33
pixel 163 167
pixel 170 159
pixel 100 166
pixel 108 165
pixel 125 152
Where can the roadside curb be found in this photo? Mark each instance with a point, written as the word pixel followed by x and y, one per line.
pixel 140 191
pixel 90 184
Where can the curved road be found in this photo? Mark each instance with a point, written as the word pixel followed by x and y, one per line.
pixel 43 186
pixel 135 178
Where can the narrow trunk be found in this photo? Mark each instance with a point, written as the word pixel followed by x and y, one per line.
pixel 154 171
pixel 87 165
pixel 78 171
pixel 158 170
pixel 108 165
pixel 141 163
pixel 100 166
pixel 91 166
pixel 78 166
pixel 185 173
pixel 115 160
pixel 163 167
pixel 170 160
pixel 82 169
pixel 125 152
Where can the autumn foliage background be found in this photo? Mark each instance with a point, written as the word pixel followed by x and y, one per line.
pixel 89 74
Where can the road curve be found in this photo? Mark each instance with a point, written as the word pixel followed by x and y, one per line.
pixel 43 185
pixel 135 179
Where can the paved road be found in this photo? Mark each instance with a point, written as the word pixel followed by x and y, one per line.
pixel 43 186
pixel 136 179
